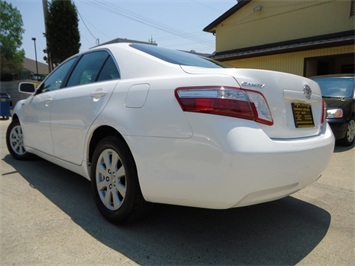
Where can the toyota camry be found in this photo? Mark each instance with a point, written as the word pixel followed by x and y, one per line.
pixel 148 125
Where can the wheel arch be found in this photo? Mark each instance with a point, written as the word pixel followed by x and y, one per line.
pixel 15 117
pixel 136 206
pixel 350 116
pixel 100 133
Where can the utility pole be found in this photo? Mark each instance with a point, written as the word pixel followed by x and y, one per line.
pixel 151 40
pixel 34 41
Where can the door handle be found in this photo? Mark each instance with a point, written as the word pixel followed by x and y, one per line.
pixel 48 101
pixel 96 95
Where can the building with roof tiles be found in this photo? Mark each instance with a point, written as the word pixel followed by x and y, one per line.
pixel 305 37
pixel 30 68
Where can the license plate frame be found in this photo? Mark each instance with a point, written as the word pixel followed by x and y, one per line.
pixel 302 115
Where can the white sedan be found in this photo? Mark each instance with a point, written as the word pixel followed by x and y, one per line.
pixel 152 125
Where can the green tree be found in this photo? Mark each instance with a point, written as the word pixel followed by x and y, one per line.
pixel 10 41
pixel 62 32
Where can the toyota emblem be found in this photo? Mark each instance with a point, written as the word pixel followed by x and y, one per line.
pixel 307 92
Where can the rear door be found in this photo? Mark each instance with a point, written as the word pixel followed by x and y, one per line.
pixel 78 104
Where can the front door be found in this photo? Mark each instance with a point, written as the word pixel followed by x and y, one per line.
pixel 37 110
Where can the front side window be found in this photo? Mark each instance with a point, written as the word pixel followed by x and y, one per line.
pixel 56 78
pixel 89 68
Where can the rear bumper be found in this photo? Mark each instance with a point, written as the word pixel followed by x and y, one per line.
pixel 245 168
pixel 286 168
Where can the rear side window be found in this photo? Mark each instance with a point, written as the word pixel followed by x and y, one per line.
pixel 177 57
pixel 92 67
pixel 109 71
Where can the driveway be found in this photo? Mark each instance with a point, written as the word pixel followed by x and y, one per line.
pixel 48 216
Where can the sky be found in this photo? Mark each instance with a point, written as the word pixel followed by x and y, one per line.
pixel 175 24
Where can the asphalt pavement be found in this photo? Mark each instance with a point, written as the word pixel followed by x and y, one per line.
pixel 48 217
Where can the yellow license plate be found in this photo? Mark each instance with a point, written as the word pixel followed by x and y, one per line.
pixel 302 114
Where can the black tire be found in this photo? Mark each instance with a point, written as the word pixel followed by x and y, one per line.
pixel 349 138
pixel 14 141
pixel 115 182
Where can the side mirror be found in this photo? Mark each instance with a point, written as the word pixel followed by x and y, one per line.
pixel 26 87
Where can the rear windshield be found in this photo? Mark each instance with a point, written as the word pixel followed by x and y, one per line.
pixel 336 87
pixel 177 57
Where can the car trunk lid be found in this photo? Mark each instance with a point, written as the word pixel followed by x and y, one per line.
pixel 295 102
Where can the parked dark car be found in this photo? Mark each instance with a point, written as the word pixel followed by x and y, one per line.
pixel 338 93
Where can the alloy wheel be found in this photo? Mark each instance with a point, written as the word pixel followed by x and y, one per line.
pixel 111 179
pixel 16 140
pixel 350 134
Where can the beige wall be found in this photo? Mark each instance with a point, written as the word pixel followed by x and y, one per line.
pixel 290 62
pixel 282 20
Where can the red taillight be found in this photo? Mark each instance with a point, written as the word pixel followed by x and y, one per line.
pixel 324 112
pixel 227 101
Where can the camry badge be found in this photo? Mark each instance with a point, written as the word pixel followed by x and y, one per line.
pixel 254 85
pixel 307 92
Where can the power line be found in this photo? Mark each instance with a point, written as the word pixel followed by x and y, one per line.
pixel 206 6
pixel 96 39
pixel 149 22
